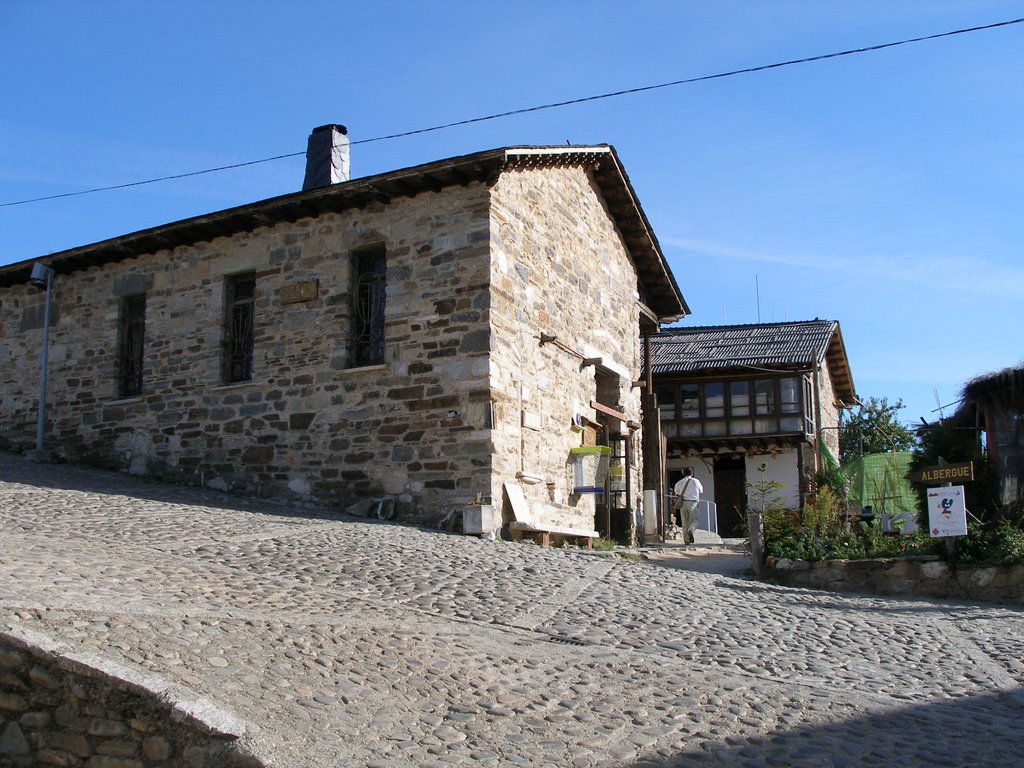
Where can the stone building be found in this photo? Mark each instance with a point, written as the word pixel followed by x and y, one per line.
pixel 744 403
pixel 430 335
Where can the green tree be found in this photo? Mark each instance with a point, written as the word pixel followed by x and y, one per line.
pixel 873 427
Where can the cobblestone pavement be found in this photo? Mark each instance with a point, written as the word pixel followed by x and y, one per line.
pixel 353 643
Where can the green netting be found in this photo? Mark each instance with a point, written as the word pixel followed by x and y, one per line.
pixel 829 459
pixel 879 481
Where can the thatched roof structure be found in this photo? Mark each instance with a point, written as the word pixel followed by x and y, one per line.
pixel 1005 387
pixel 995 403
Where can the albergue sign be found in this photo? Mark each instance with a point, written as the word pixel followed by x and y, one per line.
pixel 947 473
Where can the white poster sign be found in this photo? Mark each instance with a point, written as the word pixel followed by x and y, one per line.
pixel 947 512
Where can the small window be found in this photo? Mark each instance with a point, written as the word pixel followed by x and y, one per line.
pixel 368 294
pixel 239 327
pixel 132 335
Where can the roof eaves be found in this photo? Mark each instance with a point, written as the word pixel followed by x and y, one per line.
pixel 656 278
pixel 288 207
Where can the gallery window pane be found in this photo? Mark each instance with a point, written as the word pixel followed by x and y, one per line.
pixel 666 402
pixel 791 423
pixel 789 395
pixel 739 398
pixel 689 401
pixel 741 427
pixel 714 400
pixel 714 428
pixel 690 429
pixel 808 411
pixel 764 397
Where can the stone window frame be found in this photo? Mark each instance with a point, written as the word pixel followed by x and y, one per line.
pixel 239 330
pixel 368 306
pixel 131 345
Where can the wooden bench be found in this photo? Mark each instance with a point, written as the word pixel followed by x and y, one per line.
pixel 542 533
pixel 525 524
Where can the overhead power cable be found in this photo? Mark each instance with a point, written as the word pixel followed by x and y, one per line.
pixel 553 105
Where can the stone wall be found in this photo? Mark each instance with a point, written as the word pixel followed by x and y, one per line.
pixel 307 426
pixel 467 397
pixel 59 708
pixel 921 577
pixel 559 268
pixel 828 427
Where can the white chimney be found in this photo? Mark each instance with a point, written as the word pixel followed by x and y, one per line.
pixel 326 157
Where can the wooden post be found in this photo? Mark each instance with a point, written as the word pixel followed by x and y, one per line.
pixel 949 540
pixel 654 469
pixel 756 525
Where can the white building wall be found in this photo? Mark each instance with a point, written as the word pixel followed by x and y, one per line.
pixel 783 468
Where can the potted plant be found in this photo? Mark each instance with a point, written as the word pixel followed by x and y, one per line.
pixel 478 517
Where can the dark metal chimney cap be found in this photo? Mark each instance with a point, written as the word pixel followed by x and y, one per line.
pixel 332 126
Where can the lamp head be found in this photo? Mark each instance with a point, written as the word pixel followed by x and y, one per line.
pixel 42 276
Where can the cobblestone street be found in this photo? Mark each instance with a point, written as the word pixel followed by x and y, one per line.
pixel 345 642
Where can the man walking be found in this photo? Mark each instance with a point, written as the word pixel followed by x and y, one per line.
pixel 688 491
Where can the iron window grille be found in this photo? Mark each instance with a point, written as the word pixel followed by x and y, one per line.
pixel 368 295
pixel 133 332
pixel 239 330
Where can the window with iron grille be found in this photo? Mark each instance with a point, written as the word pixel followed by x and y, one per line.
pixel 239 323
pixel 132 333
pixel 368 294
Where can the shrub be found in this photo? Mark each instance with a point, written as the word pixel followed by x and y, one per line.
pixel 1002 545
pixel 1007 545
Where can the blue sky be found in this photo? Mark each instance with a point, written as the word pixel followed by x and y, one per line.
pixel 883 190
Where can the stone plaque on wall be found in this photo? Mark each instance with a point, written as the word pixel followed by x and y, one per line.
pixel 294 293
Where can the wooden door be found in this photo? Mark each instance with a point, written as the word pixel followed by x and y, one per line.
pixel 731 496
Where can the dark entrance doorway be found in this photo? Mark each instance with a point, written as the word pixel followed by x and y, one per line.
pixel 731 496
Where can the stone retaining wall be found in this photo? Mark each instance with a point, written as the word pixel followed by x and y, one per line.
pixel 68 709
pixel 926 576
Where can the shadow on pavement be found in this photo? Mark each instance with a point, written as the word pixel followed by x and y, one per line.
pixel 723 561
pixel 69 477
pixel 982 732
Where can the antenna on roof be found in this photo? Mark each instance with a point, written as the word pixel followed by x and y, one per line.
pixel 942 416
pixel 757 293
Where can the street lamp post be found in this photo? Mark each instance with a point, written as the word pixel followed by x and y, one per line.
pixel 42 278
